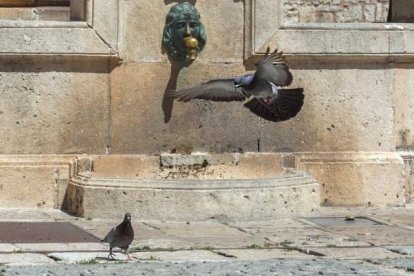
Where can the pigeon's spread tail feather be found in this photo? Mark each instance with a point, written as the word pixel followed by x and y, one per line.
pixel 287 105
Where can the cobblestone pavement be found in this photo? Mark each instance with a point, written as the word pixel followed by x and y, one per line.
pixel 268 267
pixel 339 241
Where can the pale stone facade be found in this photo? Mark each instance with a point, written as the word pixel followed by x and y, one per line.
pixel 335 11
pixel 74 90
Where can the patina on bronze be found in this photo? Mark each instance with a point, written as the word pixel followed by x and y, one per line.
pixel 184 35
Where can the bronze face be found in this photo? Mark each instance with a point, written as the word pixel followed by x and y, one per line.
pixel 184 34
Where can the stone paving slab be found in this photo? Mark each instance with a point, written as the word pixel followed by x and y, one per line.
pixel 261 254
pixel 404 250
pixel 182 255
pixel 102 257
pixel 198 229
pixel 163 243
pixel 379 235
pixel 207 234
pixel 278 267
pixel 58 215
pixel 8 248
pixel 311 237
pixel 355 252
pixel 85 257
pixel 25 259
pixel 101 228
pixel 53 247
pixel 23 215
pixel 343 221
pixel 390 214
pixel 215 242
pixel 406 220
pixel 268 227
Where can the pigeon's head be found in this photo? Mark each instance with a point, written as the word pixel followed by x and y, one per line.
pixel 127 217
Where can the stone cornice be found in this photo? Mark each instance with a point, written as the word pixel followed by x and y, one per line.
pixel 390 42
pixel 96 36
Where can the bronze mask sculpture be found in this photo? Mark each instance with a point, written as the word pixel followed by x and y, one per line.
pixel 184 35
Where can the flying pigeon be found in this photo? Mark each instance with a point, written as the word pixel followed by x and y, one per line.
pixel 120 236
pixel 265 88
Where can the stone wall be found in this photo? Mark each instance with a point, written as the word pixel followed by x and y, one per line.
pixel 74 101
pixel 335 11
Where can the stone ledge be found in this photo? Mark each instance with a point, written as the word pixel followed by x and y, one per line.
pixel 388 41
pixel 349 26
pixel 291 179
pixel 57 40
pixel 343 41
pixel 198 165
pixel 98 38
pixel 42 24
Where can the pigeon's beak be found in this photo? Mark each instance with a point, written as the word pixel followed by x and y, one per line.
pixel 127 217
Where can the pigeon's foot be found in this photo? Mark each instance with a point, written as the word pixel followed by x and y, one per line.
pixel 111 256
pixel 129 258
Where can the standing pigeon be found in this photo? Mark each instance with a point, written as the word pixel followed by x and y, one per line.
pixel 269 99
pixel 120 236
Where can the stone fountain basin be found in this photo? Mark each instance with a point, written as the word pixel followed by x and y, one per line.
pixel 239 186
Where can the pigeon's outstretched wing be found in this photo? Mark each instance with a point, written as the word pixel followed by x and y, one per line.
pixel 285 106
pixel 273 68
pixel 222 90
pixel 109 238
pixel 270 100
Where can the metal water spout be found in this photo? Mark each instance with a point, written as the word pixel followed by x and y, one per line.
pixel 191 43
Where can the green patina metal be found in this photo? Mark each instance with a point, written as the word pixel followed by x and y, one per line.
pixel 184 35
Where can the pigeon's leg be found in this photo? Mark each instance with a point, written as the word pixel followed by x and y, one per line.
pixel 111 254
pixel 127 253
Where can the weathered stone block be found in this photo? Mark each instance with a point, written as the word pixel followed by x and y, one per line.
pixel 51 105
pixel 404 106
pixel 29 182
pixel 340 113
pixel 223 21
pixel 138 118
pixel 357 178
pixel 335 11
pixel 125 166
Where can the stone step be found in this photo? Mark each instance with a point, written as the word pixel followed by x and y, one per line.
pixel 182 200
pixel 191 187
pixel 197 186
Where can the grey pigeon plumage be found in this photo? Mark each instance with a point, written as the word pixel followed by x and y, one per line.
pixel 120 236
pixel 265 89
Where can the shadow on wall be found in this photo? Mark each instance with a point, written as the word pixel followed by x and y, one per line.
pixel 168 103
